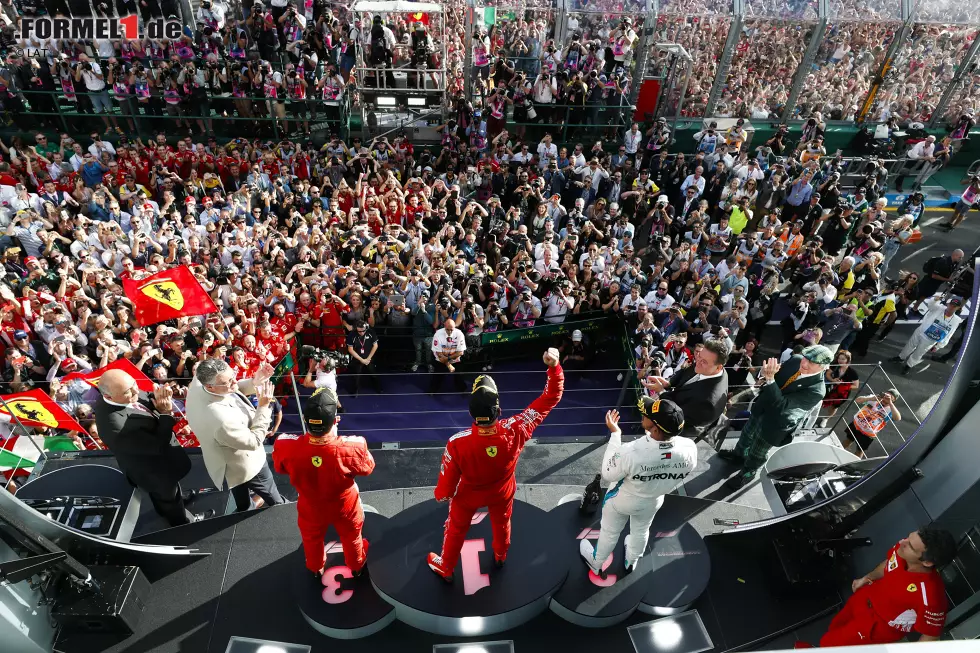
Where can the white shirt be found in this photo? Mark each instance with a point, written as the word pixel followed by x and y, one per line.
pixel 546 152
pixel 937 327
pixel 444 344
pixel 921 150
pixel 326 379
pixel 544 92
pixel 632 141
pixel 702 377
pixel 646 468
pixel 828 295
pixel 105 146
pixel 105 48
pixel 539 252
pixel 92 82
pixel 598 262
pixel 557 307
pixel 744 172
pixel 57 171
pixel 657 303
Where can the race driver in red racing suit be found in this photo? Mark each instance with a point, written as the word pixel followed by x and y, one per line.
pixel 478 465
pixel 322 466
pixel 904 593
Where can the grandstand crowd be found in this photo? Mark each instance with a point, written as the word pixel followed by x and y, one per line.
pixel 497 228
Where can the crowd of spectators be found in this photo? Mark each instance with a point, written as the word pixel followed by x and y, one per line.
pixel 290 65
pixel 401 257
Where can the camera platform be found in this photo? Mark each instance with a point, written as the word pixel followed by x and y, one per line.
pixel 672 573
pixel 341 606
pixel 482 599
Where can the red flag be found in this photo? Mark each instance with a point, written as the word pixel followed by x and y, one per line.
pixel 92 378
pixel 167 295
pixel 419 17
pixel 35 408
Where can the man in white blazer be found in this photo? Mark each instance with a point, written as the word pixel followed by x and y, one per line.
pixel 231 431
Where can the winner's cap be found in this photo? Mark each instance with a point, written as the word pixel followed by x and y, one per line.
pixel 484 401
pixel 321 411
pixel 667 415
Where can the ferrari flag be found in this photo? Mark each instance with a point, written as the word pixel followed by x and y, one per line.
pixel 92 378
pixel 419 17
pixel 35 408
pixel 167 295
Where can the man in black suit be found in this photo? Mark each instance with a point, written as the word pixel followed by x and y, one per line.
pixel 139 436
pixel 701 390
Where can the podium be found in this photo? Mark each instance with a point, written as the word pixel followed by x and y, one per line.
pixel 482 599
pixel 672 573
pixel 543 570
pixel 341 606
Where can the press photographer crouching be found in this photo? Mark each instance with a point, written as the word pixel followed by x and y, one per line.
pixel 576 352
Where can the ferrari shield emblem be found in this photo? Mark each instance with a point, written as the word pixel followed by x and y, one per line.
pixel 492 451
pixel 911 587
pixel 317 461
pixel 32 409
pixel 165 292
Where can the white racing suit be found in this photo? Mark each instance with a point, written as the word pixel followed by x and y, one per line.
pixel 641 473
pixel 935 331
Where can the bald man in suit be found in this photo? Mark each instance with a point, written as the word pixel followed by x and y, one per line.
pixel 139 433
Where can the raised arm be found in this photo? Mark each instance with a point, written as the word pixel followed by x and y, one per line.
pixel 532 416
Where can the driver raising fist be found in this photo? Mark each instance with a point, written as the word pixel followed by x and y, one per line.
pixel 478 465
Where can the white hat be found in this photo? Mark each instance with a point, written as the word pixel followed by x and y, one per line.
pixel 576 336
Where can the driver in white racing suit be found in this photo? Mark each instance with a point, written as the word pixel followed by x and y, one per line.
pixel 642 472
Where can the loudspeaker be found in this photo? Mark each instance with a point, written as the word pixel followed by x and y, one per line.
pixel 116 607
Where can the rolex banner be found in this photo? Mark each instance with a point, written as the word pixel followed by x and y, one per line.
pixel 36 408
pixel 92 378
pixel 167 295
pixel 542 331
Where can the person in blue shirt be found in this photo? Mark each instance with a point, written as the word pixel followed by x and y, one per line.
pixel 91 170
pixel 798 197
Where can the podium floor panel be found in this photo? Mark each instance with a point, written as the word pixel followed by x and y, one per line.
pixel 341 606
pixel 482 599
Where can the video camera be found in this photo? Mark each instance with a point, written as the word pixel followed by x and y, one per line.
pixel 339 359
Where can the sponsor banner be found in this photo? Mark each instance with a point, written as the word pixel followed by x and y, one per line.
pixel 542 331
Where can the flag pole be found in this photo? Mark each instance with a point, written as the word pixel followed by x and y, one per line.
pixel 89 436
pixel 299 405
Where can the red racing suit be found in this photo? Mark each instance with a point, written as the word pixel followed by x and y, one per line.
pixel 891 607
pixel 478 470
pixel 322 469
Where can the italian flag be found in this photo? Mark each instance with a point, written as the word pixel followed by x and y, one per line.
pixel 18 454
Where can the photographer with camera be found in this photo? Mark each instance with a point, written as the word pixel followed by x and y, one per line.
pixel 558 302
pixel 526 309
pixel 424 318
pixel 448 347
pixel 194 80
pixel 90 74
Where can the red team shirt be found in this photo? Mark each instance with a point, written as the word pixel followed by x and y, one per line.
pixel 905 600
pixel 322 468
